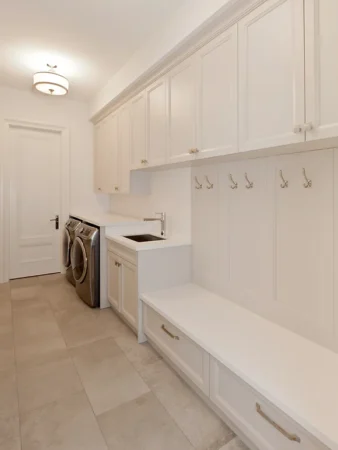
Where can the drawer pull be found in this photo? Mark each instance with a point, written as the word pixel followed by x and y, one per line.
pixel 170 334
pixel 291 437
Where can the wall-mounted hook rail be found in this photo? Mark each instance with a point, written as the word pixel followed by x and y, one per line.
pixel 250 183
pixel 308 183
pixel 234 184
pixel 285 183
pixel 198 184
pixel 210 185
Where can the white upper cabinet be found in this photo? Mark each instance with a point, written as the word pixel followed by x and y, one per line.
pixel 321 39
pixel 123 186
pixel 138 150
pixel 271 75
pixel 157 117
pixel 106 147
pixel 182 92
pixel 217 97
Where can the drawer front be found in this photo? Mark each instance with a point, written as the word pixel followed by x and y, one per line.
pixel 122 251
pixel 265 425
pixel 183 352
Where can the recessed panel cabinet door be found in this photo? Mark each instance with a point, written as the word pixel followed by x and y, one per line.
pixel 321 37
pixel 157 120
pixel 138 153
pixel 271 75
pixel 304 244
pixel 114 281
pixel 246 232
pixel 129 304
pixel 217 107
pixel 123 150
pixel 182 110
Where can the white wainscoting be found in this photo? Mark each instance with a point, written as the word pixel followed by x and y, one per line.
pixel 270 248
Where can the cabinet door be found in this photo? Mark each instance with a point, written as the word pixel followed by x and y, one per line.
pixel 124 150
pixel 138 131
pixel 182 110
pixel 217 106
pixel 106 147
pixel 304 244
pixel 271 75
pixel 114 281
pixel 321 37
pixel 157 118
pixel 129 304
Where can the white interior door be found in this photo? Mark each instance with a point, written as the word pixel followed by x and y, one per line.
pixel 35 199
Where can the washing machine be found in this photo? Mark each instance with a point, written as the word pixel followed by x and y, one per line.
pixel 69 230
pixel 85 258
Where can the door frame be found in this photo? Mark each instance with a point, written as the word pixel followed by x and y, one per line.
pixel 5 187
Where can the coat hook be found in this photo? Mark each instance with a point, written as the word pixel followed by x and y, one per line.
pixel 308 183
pixel 234 183
pixel 285 183
pixel 198 184
pixel 250 183
pixel 210 185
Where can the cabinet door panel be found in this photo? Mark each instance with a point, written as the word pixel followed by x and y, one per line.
pixel 157 118
pixel 217 130
pixel 246 233
pixel 129 307
pixel 114 281
pixel 271 75
pixel 182 110
pixel 321 37
pixel 304 244
pixel 138 131
pixel 124 150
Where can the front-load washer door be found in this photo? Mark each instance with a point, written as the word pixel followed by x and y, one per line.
pixel 66 247
pixel 79 261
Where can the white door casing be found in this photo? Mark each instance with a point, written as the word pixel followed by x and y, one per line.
pixel 31 244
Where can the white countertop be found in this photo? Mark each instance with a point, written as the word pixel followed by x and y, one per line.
pixel 105 219
pixel 151 245
pixel 297 375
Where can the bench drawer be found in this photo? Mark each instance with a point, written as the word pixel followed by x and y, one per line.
pixel 181 350
pixel 266 426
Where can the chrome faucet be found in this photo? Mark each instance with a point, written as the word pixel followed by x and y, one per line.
pixel 162 219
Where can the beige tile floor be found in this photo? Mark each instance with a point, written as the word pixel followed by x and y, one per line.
pixel 73 378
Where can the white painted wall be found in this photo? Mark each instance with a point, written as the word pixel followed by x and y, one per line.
pixel 170 193
pixel 188 20
pixel 61 112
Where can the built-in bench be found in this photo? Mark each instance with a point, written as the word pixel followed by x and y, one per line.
pixel 279 389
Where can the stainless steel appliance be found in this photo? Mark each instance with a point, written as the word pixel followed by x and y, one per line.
pixel 86 264
pixel 69 230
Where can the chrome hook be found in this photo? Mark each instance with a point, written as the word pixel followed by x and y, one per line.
pixel 308 183
pixel 285 183
pixel 234 183
pixel 210 185
pixel 250 183
pixel 198 184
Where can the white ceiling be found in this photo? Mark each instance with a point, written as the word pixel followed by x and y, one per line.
pixel 89 40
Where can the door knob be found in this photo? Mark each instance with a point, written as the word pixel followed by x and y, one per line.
pixel 56 220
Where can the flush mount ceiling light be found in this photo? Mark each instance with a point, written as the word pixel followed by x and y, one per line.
pixel 50 82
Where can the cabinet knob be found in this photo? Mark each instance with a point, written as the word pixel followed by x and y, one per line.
pixel 116 188
pixel 144 161
pixel 298 129
pixel 193 151
pixel 99 189
pixel 308 126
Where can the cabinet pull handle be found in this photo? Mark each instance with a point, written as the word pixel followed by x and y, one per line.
pixel 170 334
pixel 285 183
pixel 144 161
pixel 308 183
pixel 291 437
pixel 198 184
pixel 297 129
pixel 210 185
pixel 117 264
pixel 116 188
